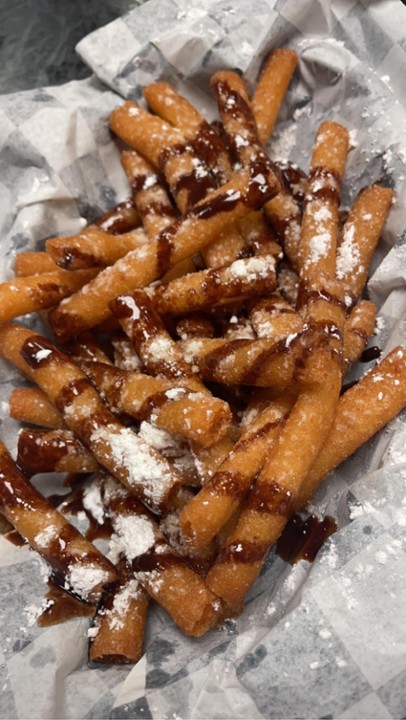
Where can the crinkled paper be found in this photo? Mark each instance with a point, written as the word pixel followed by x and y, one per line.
pixel 326 640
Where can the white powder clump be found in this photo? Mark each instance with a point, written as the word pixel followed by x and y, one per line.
pixel 133 536
pixel 348 255
pixel 93 503
pixel 159 439
pixel 319 246
pixel 82 579
pixel 142 465
pixel 46 536
pixel 121 603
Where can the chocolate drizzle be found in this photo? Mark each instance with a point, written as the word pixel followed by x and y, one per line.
pixel 329 185
pixel 371 353
pixel 271 498
pixel 119 219
pixel 38 352
pixel 302 539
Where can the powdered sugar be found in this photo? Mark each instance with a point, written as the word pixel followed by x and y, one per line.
pixel 84 578
pixel 141 465
pixel 133 536
pixel 348 254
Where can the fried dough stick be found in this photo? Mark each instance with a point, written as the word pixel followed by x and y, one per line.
pixel 117 635
pixel 33 263
pixel 263 362
pixel 189 234
pixel 205 515
pixel 243 278
pixel 273 317
pixel 361 233
pixel 206 143
pixel 196 416
pixel 362 411
pixel 121 218
pixel 31 405
pixel 271 89
pixel 188 178
pixel 76 564
pixel 239 122
pixel 152 201
pixel 39 292
pixel 93 247
pixel 43 451
pixel 158 567
pixel 320 215
pixel 150 197
pixel 358 328
pixel 160 354
pixel 269 504
pixel 144 471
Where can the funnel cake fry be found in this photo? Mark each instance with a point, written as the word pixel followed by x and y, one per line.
pixel 118 628
pixel 205 515
pixel 33 263
pixel 120 219
pixel 39 292
pixel 188 235
pixel 150 197
pixel 263 362
pixel 271 89
pixel 362 411
pixel 320 214
pixel 158 567
pixel 197 416
pixel 76 564
pixel 31 405
pixel 269 505
pixel 93 247
pixel 144 471
pixel 189 180
pixel 43 451
pixel 361 233
pixel 246 277
pixel 206 143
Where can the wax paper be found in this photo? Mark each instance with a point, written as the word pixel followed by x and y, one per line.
pixel 320 640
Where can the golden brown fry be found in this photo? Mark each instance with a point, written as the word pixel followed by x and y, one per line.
pixel 188 179
pixel 93 247
pixel 361 233
pixel 358 328
pixel 271 89
pixel 206 143
pixel 270 503
pixel 189 234
pixel 263 362
pixel 32 263
pixel 197 416
pixel 150 197
pixel 120 219
pixel 197 291
pixel 42 451
pixel 117 633
pixel 75 563
pixel 39 292
pixel 31 405
pixel 205 515
pixel 320 215
pixel 144 471
pixel 274 318
pixel 158 567
pixel 363 410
